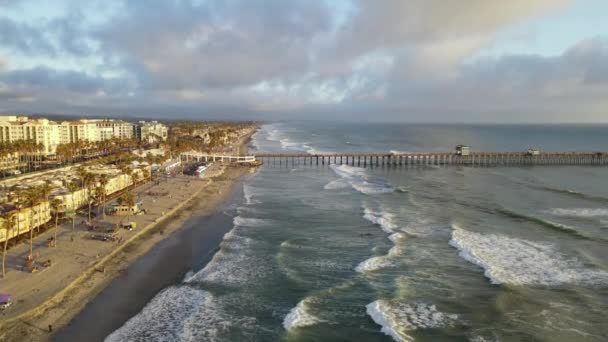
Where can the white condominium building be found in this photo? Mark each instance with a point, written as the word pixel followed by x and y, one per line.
pixel 50 134
pixel 41 131
pixel 119 129
pixel 151 131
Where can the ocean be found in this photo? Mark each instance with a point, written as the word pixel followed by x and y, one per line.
pixel 418 253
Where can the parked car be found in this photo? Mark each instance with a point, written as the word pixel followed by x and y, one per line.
pixel 129 225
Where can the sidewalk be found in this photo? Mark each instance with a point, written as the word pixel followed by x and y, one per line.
pixel 71 258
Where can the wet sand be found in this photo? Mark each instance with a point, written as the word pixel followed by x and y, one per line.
pixel 189 248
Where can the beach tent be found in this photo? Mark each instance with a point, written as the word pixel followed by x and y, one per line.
pixel 5 300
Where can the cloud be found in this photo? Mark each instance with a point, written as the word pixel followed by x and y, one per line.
pixel 403 60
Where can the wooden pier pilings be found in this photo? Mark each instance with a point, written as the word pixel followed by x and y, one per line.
pixel 473 159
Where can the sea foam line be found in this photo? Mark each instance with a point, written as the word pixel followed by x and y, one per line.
pixel 580 212
pixel 360 180
pixel 521 262
pixel 300 316
pixel 398 319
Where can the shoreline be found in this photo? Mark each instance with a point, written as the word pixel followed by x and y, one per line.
pixel 59 309
pixel 163 265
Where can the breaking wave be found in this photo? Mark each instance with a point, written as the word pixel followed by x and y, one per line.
pixel 300 316
pixel 359 180
pixel 374 264
pixel 249 222
pixel 546 223
pixel 248 194
pixel 380 218
pixel 579 212
pixel 336 184
pixel 399 319
pixel 573 193
pixel 521 262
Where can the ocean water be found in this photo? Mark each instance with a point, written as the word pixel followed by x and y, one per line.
pixel 420 253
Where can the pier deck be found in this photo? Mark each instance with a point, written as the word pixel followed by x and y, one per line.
pixel 431 158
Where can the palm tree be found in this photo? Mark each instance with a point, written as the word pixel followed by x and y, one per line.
pixel 56 205
pixel 72 188
pixel 32 200
pixel 129 172
pixel 103 182
pixel 6 224
pixel 135 178
pixel 128 200
pixel 89 180
pixel 146 174
pixel 44 191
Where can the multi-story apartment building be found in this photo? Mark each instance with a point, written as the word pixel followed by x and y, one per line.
pixel 151 131
pixel 41 131
pixel 73 131
pixel 50 134
pixel 119 129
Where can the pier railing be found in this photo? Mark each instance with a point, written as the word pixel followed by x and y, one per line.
pixel 404 159
pixel 473 159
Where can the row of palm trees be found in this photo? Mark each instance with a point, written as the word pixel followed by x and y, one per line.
pixel 35 196
pixel 76 151
pixel 32 154
pixel 28 152
pixel 32 198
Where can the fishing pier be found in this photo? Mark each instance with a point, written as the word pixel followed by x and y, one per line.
pixel 410 159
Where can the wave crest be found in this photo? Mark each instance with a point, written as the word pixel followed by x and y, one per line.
pixel 579 212
pixel 521 262
pixel 397 319
pixel 300 316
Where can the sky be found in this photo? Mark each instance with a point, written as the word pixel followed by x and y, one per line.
pixel 453 61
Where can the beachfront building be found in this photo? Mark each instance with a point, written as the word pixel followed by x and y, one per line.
pixel 49 134
pixel 81 130
pixel 9 161
pixel 39 131
pixel 119 129
pixel 151 132
pixel 24 218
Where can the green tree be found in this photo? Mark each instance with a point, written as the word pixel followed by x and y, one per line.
pixel 90 182
pixel 8 218
pixel 56 205
pixel 72 188
pixel 103 182
pixel 127 199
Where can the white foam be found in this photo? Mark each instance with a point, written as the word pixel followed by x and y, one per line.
pixel 348 171
pixel 399 152
pixel 314 151
pixel 381 218
pixel 395 237
pixel 164 317
pixel 336 184
pixel 521 262
pixel 373 264
pixel 358 178
pixel 300 316
pixel 398 319
pixel 288 144
pixel 274 134
pixel 248 193
pixel 579 212
pixel 249 222
pixel 368 188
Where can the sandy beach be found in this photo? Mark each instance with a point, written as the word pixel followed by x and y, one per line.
pixel 53 296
